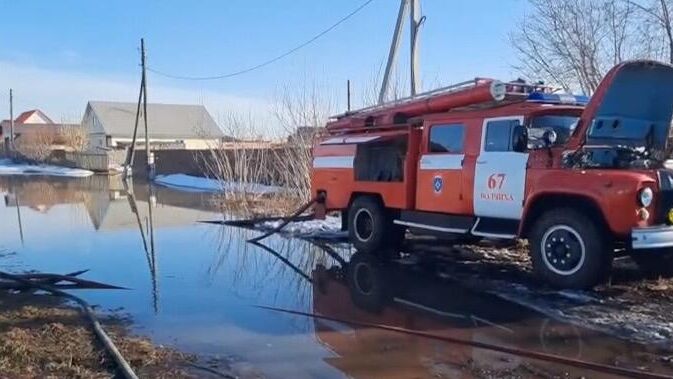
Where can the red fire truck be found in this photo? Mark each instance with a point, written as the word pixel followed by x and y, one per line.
pixel 582 179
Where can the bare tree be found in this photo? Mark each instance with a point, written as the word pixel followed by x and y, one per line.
pixel 36 145
pixel 74 137
pixel 656 26
pixel 303 104
pixel 239 163
pixel 572 43
pixel 398 87
pixel 302 112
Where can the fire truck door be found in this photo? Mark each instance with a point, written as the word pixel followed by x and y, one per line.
pixel 439 181
pixel 500 173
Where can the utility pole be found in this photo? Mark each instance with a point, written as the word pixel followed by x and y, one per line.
pixel 11 120
pixel 142 105
pixel 348 95
pixel 148 152
pixel 416 20
pixel 392 53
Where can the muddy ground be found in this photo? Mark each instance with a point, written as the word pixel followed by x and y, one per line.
pixel 42 337
pixel 629 305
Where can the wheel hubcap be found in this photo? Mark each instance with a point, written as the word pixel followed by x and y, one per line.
pixel 563 250
pixel 364 225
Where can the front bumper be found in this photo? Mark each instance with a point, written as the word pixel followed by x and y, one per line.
pixel 653 237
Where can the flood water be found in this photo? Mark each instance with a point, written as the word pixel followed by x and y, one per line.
pixel 198 287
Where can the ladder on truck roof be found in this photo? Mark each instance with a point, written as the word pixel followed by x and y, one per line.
pixel 502 89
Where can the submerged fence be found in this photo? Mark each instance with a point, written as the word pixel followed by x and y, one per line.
pixel 267 165
pixel 89 161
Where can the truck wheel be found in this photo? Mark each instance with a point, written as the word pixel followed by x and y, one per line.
pixel 367 282
pixel 371 228
pixel 654 264
pixel 569 250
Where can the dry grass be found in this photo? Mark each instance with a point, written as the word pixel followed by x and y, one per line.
pixel 255 205
pixel 50 340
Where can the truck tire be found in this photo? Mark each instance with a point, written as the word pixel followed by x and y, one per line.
pixel 569 249
pixel 367 282
pixel 370 227
pixel 654 264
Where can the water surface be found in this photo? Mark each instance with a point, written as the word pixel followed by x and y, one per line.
pixel 196 286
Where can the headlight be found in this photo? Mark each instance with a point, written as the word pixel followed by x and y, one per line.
pixel 645 196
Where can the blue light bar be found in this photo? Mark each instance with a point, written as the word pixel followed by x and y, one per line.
pixel 555 98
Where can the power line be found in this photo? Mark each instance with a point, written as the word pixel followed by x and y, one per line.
pixel 268 62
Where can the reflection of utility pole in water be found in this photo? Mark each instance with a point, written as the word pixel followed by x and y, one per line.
pixel 151 202
pixel 128 166
pixel 18 212
pixel 11 121
pixel 149 250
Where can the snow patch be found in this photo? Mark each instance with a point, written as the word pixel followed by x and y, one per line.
pixel 200 184
pixel 9 167
pixel 329 228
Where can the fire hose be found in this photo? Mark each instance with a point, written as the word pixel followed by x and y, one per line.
pixel 110 347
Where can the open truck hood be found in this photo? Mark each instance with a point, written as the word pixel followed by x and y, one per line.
pixel 632 107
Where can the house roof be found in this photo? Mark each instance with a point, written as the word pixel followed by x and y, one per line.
pixel 165 120
pixel 23 117
pixel 26 115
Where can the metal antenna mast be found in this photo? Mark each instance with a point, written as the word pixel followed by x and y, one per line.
pixel 413 7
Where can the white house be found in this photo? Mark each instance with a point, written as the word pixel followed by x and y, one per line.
pixel 110 126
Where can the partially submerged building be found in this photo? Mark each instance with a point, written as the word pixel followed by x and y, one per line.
pixel 110 126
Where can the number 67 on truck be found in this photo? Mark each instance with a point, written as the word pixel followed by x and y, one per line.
pixel 583 179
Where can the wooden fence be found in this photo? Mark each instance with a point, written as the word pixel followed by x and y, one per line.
pixel 89 161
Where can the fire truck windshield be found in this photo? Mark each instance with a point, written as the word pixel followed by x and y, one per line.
pixel 562 125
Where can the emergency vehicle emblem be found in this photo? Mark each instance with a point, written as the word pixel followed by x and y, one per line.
pixel 437 184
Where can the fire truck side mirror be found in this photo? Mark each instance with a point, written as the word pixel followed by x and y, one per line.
pixel 519 138
pixel 549 138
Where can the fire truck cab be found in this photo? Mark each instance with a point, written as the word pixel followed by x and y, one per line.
pixel 582 179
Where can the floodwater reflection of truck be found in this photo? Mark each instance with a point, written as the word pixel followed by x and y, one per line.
pixel 406 297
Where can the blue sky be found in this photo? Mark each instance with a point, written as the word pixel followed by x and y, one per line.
pixel 59 54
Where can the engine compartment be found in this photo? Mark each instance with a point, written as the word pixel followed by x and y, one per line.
pixel 613 157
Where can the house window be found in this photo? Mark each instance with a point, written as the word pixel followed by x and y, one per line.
pixel 447 138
